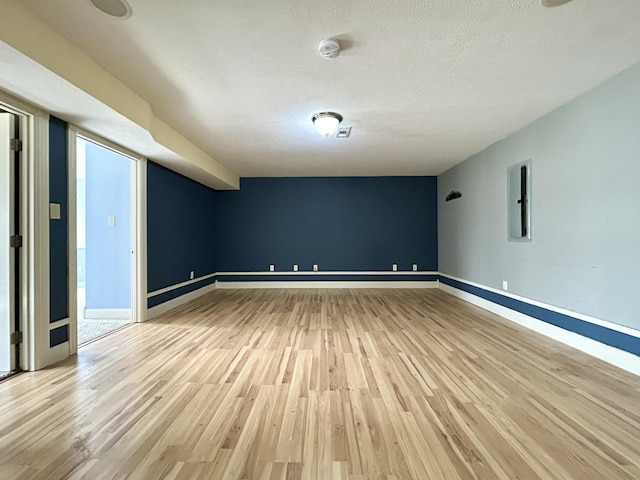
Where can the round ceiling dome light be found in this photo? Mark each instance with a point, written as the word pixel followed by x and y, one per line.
pixel 326 122
pixel 554 3
pixel 113 8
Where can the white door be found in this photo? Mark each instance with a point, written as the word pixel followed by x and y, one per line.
pixel 7 251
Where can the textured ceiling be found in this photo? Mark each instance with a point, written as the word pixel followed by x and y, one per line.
pixel 424 84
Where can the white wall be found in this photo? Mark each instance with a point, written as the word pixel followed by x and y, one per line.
pixel 585 250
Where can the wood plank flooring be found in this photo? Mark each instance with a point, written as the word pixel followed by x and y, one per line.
pixel 323 384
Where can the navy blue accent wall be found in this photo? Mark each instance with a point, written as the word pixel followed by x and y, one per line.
pixel 339 223
pixel 180 228
pixel 58 229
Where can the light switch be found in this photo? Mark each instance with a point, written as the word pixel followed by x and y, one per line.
pixel 54 211
pixel 111 220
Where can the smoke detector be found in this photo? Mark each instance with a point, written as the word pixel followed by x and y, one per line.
pixel 113 8
pixel 329 48
pixel 554 3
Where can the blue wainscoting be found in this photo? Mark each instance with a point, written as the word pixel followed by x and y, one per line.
pixel 601 334
pixel 328 277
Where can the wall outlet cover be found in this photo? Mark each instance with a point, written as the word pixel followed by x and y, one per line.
pixel 192 275
pixel 295 268
pixel 505 285
pixel 315 268
pixel 415 267
pixel 272 268
pixel 394 267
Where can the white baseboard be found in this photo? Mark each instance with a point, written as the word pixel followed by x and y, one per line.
pixel 328 284
pixel 614 356
pixel 176 302
pixel 107 313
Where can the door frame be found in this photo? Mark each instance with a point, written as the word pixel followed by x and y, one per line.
pixel 33 214
pixel 9 255
pixel 138 205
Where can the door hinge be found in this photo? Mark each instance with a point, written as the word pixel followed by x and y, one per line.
pixel 16 144
pixel 16 241
pixel 16 338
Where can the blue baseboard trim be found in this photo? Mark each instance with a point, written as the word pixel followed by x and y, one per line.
pixel 607 336
pixel 317 277
pixel 156 299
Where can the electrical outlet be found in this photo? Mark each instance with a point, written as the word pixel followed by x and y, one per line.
pixel 295 268
pixel 272 268
pixel 394 267
pixel 415 267
pixel 192 275
pixel 505 285
pixel 315 268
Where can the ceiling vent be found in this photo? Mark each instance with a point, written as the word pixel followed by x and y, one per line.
pixel 343 132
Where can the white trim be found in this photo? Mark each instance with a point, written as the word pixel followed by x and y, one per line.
pixel 176 302
pixel 8 265
pixel 38 248
pixel 107 313
pixel 138 209
pixel 109 145
pixel 563 311
pixel 139 262
pixel 179 285
pixel 614 356
pixel 309 272
pixel 60 323
pixel 72 241
pixel 34 220
pixel 329 284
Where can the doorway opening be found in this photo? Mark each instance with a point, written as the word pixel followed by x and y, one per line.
pixel 105 236
pixel 10 244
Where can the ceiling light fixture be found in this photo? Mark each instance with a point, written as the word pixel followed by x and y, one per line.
pixel 113 8
pixel 554 3
pixel 326 122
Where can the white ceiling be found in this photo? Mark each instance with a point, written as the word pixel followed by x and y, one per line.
pixel 424 83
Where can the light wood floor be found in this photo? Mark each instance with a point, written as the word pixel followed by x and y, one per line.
pixel 323 384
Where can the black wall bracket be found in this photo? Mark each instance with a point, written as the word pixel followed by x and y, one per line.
pixel 453 195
